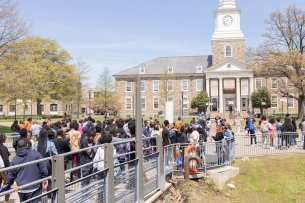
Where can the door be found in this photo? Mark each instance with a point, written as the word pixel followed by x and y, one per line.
pixel 244 104
pixel 214 105
pixel 228 103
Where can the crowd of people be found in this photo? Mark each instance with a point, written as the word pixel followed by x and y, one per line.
pixel 33 141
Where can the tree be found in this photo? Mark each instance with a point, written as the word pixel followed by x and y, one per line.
pixel 282 53
pixel 13 26
pixel 106 98
pixel 261 99
pixel 81 69
pixel 166 90
pixel 200 101
pixel 37 68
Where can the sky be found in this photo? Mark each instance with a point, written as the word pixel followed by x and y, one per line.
pixel 121 34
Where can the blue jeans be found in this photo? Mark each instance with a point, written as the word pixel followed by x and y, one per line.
pixel 208 130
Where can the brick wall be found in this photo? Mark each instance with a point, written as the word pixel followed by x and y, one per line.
pixel 219 48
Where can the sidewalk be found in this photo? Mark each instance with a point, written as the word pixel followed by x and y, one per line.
pixel 14 198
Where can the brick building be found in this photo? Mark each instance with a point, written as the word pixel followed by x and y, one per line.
pixel 224 75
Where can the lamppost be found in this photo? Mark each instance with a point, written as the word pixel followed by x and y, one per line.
pixel 286 94
pixel 15 107
pixel 133 107
pixel 182 106
pixel 71 97
pixel 264 102
pixel 89 102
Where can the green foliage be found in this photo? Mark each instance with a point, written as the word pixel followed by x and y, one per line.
pixel 261 99
pixel 200 101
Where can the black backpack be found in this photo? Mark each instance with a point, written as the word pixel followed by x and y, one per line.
pixel 203 137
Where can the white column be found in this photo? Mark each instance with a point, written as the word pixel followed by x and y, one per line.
pixel 238 95
pixel 250 92
pixel 220 96
pixel 207 86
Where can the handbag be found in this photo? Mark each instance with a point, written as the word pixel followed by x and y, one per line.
pixel 1 162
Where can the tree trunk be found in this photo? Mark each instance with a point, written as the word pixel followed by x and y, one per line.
pixel 38 107
pixel 262 111
pixel 301 106
pixel 24 112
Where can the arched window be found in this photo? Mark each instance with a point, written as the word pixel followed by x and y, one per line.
pixel 53 107
pixel 228 51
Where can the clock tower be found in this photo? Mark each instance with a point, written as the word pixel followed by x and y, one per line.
pixel 228 40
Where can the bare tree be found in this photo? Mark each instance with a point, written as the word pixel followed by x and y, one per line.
pixel 81 69
pixel 166 87
pixel 282 53
pixel 12 25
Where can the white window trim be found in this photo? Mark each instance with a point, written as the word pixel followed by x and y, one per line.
pixel 277 101
pixel 292 103
pixel 187 84
pixel 185 98
pixel 154 104
pixel 172 86
pixel 168 67
pixel 130 103
pixel 142 68
pixel 276 83
pixel 126 86
pixel 144 103
pixel 197 85
pixel 199 71
pixel 144 86
pixel 261 82
pixel 225 52
pixel 287 82
pixel 56 107
pixel 154 87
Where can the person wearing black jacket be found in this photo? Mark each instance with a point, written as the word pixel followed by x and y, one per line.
pixel 61 144
pixel 121 130
pixel 23 133
pixel 5 157
pixel 287 129
pixel 218 141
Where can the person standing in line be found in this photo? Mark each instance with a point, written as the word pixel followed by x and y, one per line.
pixel 28 174
pixel 218 142
pixel 62 145
pixel 74 137
pixel 287 129
pixel 264 130
pixel 21 124
pixel 5 157
pixel 35 129
pixel 237 125
pixel 251 129
pixel 166 141
pixel 271 132
pixel 28 124
pixel 208 126
pixel 279 133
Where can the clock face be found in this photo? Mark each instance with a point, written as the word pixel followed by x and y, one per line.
pixel 227 20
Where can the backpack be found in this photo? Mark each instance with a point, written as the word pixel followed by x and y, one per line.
pixel 264 127
pixel 203 137
pixel 251 126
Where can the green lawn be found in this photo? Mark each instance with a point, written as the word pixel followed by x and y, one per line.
pixel 5 129
pixel 273 179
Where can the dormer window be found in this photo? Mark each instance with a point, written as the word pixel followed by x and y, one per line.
pixel 170 69
pixel 228 51
pixel 199 68
pixel 142 70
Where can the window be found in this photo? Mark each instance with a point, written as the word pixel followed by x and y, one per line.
pixel 128 116
pixel 258 83
pixel 12 108
pixel 156 102
pixel 142 70
pixel 170 85
pixel 26 107
pixel 156 86
pixel 184 85
pixel 199 68
pixel 185 102
pixel 274 101
pixel 1 108
pixel 273 83
pixel 170 69
pixel 128 104
pixel 199 85
pixel 143 86
pixel 143 103
pixel 170 99
pixel 290 102
pixel 228 51
pixel 128 86
pixel 290 85
pixel 42 108
pixel 53 107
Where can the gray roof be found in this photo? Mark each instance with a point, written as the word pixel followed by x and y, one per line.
pixel 180 64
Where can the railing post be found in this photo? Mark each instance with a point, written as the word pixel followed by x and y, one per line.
pixel 139 143
pixel 58 177
pixel 109 163
pixel 161 176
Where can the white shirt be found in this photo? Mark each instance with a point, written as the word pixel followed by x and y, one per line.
pixel 194 136
pixel 100 156
pixel 35 129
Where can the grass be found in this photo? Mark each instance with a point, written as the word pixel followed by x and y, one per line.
pixel 5 129
pixel 273 179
